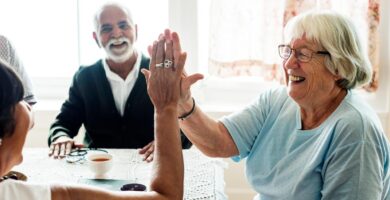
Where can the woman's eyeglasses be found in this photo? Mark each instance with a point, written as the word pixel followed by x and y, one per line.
pixel 302 54
pixel 78 155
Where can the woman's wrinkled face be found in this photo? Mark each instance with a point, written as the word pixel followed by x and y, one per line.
pixel 308 81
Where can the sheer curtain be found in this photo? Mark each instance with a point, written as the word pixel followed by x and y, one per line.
pixel 244 34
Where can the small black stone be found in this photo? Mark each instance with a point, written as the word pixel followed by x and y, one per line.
pixel 133 187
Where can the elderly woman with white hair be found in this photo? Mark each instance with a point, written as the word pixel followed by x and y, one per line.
pixel 313 138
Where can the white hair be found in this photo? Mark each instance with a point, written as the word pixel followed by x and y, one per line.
pixel 111 4
pixel 337 35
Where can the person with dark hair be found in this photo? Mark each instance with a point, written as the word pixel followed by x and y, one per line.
pixel 314 137
pixel 168 168
pixel 9 55
pixel 109 97
pixel 11 93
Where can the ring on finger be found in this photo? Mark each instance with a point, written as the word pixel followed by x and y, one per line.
pixel 159 65
pixel 168 63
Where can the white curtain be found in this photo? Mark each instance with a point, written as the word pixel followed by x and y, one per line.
pixel 244 34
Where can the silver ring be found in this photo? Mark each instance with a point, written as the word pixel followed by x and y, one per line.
pixel 159 65
pixel 168 63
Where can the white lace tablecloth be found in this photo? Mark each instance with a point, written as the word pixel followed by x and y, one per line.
pixel 203 176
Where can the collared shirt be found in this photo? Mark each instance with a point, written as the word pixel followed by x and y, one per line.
pixel 121 88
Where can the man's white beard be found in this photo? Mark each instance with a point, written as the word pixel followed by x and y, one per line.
pixel 119 55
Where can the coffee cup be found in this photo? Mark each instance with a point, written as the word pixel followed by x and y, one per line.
pixel 100 163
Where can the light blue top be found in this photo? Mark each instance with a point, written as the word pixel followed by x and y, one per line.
pixel 346 157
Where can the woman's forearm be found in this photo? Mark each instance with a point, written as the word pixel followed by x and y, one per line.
pixel 78 192
pixel 168 170
pixel 168 165
pixel 208 135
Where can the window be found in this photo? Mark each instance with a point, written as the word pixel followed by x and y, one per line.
pixel 44 34
pixel 234 29
pixel 53 38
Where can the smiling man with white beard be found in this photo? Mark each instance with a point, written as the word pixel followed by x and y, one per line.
pixel 109 97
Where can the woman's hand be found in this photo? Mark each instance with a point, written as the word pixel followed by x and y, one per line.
pixel 164 74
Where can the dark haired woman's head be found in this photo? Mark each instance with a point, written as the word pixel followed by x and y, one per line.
pixel 11 92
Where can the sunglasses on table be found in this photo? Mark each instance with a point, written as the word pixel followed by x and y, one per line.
pixel 78 155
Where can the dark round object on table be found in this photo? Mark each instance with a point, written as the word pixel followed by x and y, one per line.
pixel 133 187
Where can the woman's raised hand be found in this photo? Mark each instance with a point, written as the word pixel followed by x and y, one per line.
pixel 165 71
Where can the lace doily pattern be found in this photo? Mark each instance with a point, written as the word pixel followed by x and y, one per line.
pixel 203 176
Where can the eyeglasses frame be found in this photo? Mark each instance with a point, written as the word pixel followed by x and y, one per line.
pixel 293 49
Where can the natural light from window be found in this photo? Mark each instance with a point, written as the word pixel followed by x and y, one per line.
pixel 53 38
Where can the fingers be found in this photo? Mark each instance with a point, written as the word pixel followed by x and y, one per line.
pixel 150 50
pixel 190 80
pixel 146 73
pixel 149 158
pixel 176 45
pixel 68 148
pixel 61 147
pixel 62 150
pixel 51 150
pixel 152 66
pixel 167 34
pixel 169 54
pixel 145 148
pixel 185 85
pixel 56 150
pixel 148 151
pixel 180 63
pixel 160 52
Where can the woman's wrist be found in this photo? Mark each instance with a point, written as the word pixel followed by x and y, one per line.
pixel 166 109
pixel 187 110
pixel 185 106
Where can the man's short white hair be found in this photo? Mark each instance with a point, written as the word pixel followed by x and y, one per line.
pixel 111 4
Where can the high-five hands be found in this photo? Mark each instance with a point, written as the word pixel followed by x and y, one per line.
pixel 166 68
pixel 186 81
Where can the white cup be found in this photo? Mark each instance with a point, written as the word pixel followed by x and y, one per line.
pixel 100 163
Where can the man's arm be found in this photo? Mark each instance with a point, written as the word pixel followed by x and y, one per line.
pixel 67 122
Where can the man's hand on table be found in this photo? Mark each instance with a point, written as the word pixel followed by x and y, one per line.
pixel 61 147
pixel 148 152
